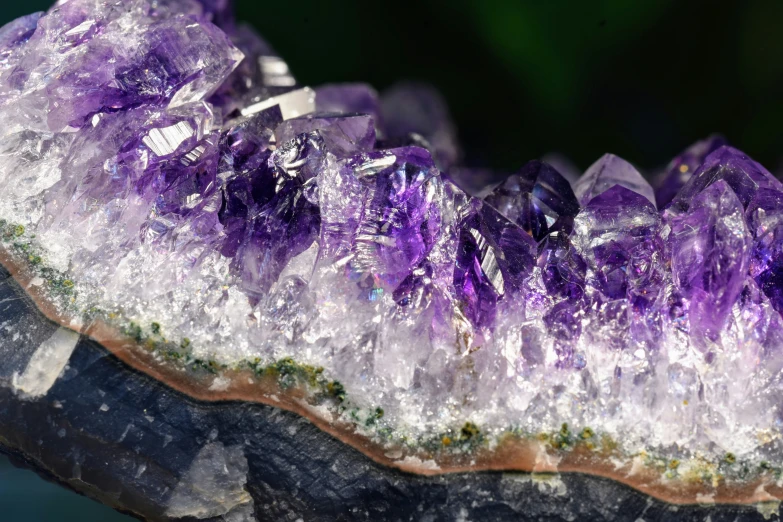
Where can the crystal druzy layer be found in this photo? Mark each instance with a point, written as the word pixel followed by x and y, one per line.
pixel 164 159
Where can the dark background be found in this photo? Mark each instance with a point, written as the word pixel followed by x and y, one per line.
pixel 640 79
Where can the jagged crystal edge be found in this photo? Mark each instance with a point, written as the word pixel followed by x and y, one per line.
pixel 173 170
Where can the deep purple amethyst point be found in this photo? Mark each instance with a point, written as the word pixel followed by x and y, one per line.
pixel 740 172
pixel 765 220
pixel 538 199
pixel 710 255
pixel 494 256
pixel 680 170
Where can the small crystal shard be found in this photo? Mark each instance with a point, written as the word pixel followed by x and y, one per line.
pixel 343 134
pixel 292 104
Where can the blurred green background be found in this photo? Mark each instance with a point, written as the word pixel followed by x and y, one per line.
pixel 523 78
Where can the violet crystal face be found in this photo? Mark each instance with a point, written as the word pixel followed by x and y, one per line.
pixel 163 173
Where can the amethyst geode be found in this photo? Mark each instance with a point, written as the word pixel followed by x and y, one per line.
pixel 161 168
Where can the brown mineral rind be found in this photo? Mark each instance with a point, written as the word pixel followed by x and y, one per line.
pixel 512 453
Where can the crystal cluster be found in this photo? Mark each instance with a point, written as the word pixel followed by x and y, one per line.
pixel 165 158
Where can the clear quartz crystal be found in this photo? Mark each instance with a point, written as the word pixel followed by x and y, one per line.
pixel 164 159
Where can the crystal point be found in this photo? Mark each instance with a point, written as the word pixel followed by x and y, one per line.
pixel 765 221
pixel 493 258
pixel 681 168
pixel 343 134
pixel 617 234
pixel 538 199
pixel 740 172
pixel 608 171
pixel 711 248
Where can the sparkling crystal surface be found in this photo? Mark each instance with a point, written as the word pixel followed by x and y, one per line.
pixel 741 173
pixel 608 171
pixel 343 133
pixel 617 234
pixel 765 221
pixel 538 199
pixel 493 258
pixel 163 160
pixel 710 255
pixel 681 168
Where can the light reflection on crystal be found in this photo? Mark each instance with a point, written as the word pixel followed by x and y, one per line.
pixel 201 190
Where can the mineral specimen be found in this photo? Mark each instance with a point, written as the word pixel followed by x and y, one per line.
pixel 164 175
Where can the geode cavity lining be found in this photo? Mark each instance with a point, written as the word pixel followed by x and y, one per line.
pixel 162 172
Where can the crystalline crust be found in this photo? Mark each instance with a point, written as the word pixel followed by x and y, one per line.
pixel 163 159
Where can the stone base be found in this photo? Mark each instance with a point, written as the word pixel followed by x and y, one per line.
pixel 129 441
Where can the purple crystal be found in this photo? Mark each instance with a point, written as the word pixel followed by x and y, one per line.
pixel 343 134
pixel 164 160
pixel 414 290
pixel 174 62
pixel 563 271
pixel 278 230
pixel 538 199
pixel 413 108
pixel 301 157
pixel 493 258
pixel 385 215
pixel 564 324
pixel 245 142
pixel 681 168
pixel 16 33
pixel 616 233
pixel 266 214
pixel 608 171
pixel 710 254
pixel 765 221
pixel 172 165
pixel 741 173
pixel 268 221
pixel 180 185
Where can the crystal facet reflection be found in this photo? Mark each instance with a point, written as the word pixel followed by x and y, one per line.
pixel 160 165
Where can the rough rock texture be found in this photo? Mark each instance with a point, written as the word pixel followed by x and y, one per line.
pixel 174 457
